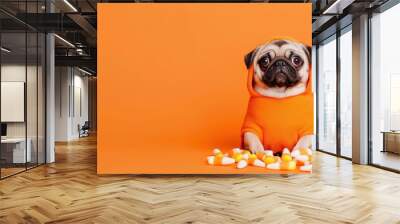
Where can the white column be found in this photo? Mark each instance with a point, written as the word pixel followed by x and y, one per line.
pixel 50 99
pixel 360 90
pixel 63 100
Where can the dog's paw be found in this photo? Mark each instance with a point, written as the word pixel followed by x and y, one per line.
pixel 295 152
pixel 256 148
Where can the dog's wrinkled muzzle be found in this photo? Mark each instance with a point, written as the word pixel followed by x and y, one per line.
pixel 280 74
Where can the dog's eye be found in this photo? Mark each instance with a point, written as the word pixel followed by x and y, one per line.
pixel 296 60
pixel 263 62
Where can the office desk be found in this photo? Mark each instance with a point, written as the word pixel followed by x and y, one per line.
pixel 13 150
pixel 391 141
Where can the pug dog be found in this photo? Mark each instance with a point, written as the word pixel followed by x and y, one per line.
pixel 279 70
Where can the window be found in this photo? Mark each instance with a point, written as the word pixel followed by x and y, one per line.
pixel 385 89
pixel 327 95
pixel 346 93
pixel 314 88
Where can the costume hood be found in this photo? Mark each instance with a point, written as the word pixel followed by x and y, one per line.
pixel 251 76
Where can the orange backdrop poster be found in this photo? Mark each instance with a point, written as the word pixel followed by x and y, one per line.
pixel 172 81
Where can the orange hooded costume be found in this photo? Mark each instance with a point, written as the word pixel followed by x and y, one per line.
pixel 279 123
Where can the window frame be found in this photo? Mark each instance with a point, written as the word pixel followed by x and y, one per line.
pixel 337 34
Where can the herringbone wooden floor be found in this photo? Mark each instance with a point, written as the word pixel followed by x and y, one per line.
pixel 69 191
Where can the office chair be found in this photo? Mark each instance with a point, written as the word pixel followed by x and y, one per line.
pixel 84 130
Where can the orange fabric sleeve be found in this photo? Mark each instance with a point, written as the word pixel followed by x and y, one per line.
pixel 308 128
pixel 250 125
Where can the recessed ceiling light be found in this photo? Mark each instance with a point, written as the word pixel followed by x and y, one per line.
pixel 70 5
pixel 64 40
pixel 84 71
pixel 5 50
pixel 337 7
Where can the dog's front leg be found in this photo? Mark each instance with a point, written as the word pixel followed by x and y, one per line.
pixel 304 142
pixel 252 142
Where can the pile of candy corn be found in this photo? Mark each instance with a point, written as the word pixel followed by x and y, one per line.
pixel 242 158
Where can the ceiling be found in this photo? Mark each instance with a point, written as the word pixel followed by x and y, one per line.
pixel 75 22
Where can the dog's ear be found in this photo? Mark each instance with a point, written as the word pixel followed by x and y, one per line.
pixel 308 51
pixel 248 58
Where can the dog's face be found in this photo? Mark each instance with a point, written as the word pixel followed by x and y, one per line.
pixel 281 68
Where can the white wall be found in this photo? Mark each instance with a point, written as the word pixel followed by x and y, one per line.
pixel 16 72
pixel 33 127
pixel 80 84
pixel 9 73
pixel 62 81
pixel 71 102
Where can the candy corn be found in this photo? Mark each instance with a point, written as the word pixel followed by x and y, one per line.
pixel 260 155
pixel 303 156
pixel 237 157
pixel 253 160
pixel 220 160
pixel 290 165
pixel 246 154
pixel 242 158
pixel 269 157
pixel 274 166
pixel 241 164
pixel 236 150
pixel 216 151
pixel 286 157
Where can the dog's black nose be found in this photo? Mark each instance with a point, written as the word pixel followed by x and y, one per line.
pixel 280 63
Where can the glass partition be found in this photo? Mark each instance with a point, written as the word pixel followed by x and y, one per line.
pixel 41 109
pixel 327 97
pixel 14 153
pixel 22 101
pixel 32 95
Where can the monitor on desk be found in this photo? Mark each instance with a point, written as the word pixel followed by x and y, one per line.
pixel 3 130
